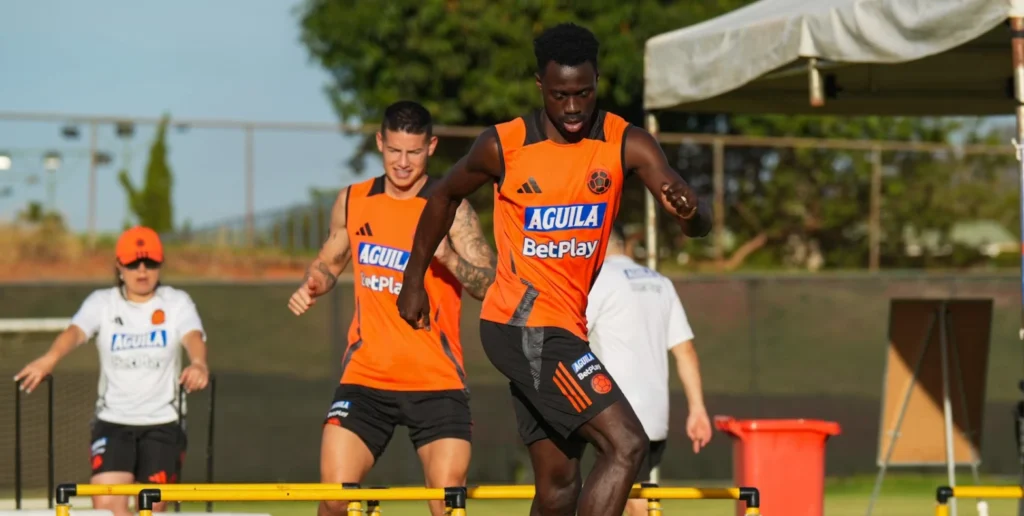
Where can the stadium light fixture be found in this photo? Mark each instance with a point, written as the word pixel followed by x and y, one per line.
pixel 69 132
pixel 5 161
pixel 101 158
pixel 125 129
pixel 51 161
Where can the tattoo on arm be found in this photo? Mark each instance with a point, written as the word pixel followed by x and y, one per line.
pixel 474 261
pixel 475 279
pixel 336 251
pixel 328 277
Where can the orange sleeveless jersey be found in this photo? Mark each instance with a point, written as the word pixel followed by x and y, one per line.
pixel 384 352
pixel 553 211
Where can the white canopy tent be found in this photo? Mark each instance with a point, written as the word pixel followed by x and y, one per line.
pixel 844 57
pixel 883 57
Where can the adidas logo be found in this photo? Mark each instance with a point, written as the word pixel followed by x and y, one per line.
pixel 365 230
pixel 530 186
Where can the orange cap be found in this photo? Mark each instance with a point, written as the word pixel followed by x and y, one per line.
pixel 137 243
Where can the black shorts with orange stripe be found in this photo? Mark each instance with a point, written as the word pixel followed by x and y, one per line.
pixel 153 454
pixel 557 383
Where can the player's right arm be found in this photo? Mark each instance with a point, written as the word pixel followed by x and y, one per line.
pixel 322 274
pixel 84 324
pixel 34 373
pixel 478 167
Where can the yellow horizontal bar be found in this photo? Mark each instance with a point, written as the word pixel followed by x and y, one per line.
pixel 133 489
pixel 500 492
pixel 303 495
pixel 988 492
pixel 669 493
pixel 171 492
pixel 687 493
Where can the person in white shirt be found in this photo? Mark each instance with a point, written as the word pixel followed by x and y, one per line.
pixel 634 318
pixel 140 328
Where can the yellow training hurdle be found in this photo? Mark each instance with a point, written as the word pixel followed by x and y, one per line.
pixel 944 493
pixel 453 497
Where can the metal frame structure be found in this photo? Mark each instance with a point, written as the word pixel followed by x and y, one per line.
pixel 718 143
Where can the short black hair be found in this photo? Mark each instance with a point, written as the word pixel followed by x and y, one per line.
pixel 619 232
pixel 567 44
pixel 407 116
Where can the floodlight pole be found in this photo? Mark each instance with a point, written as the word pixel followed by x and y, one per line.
pixel 92 184
pixel 250 186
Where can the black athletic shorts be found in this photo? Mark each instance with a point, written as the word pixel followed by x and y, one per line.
pixel 154 454
pixel 373 414
pixel 557 383
pixel 652 460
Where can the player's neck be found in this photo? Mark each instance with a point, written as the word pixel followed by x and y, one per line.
pixel 397 193
pixel 137 298
pixel 555 134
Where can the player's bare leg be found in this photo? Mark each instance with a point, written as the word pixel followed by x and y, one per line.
pixel 557 477
pixel 620 442
pixel 636 507
pixel 344 458
pixel 115 504
pixel 445 464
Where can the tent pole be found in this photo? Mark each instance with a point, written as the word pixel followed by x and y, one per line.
pixel 1017 38
pixel 1017 44
pixel 651 209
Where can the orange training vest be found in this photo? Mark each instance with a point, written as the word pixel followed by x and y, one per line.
pixel 553 211
pixel 384 352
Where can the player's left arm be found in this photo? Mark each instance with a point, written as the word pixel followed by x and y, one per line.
pixel 469 257
pixel 197 374
pixel 644 156
pixel 680 343
pixel 688 369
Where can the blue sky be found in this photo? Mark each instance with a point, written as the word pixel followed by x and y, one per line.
pixel 236 59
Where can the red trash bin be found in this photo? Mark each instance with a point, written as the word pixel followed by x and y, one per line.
pixel 784 459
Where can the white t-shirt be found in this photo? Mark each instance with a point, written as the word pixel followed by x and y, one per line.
pixel 140 352
pixel 634 317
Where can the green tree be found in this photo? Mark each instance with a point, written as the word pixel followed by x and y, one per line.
pixel 472 63
pixel 820 197
pixel 151 204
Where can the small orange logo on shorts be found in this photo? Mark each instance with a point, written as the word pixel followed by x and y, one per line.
pixel 601 383
pixel 158 317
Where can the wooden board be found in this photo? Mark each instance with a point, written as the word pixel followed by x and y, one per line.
pixel 921 440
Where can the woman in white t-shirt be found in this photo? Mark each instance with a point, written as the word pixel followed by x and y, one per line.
pixel 140 328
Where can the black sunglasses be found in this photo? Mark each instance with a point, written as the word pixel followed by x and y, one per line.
pixel 150 264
